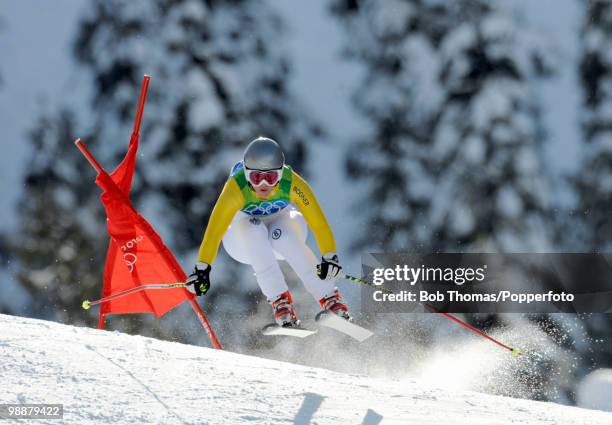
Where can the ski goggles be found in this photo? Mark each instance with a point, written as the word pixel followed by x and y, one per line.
pixel 258 177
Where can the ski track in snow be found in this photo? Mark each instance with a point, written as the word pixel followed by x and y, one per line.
pixel 110 377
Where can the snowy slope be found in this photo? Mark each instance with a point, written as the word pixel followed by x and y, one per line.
pixel 109 377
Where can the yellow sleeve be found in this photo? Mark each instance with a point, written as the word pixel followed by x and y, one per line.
pixel 303 197
pixel 229 202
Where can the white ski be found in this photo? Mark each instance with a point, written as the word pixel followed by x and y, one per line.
pixel 274 329
pixel 329 319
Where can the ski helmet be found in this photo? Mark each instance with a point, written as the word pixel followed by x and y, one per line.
pixel 263 154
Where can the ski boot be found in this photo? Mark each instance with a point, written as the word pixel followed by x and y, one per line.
pixel 284 313
pixel 334 304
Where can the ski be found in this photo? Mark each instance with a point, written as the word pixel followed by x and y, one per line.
pixel 299 332
pixel 330 320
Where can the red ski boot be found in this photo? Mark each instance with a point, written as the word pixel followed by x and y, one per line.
pixel 284 313
pixel 334 304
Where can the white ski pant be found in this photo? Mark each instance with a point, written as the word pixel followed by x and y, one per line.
pixel 263 241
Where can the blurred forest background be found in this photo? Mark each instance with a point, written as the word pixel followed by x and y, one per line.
pixel 448 149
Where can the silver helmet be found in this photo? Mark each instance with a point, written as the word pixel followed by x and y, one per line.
pixel 263 154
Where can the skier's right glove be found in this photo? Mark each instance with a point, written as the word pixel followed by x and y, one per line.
pixel 199 281
pixel 329 267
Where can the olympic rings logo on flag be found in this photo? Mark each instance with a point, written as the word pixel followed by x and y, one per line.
pixel 129 257
pixel 130 260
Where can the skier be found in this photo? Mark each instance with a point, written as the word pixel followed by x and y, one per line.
pixel 261 215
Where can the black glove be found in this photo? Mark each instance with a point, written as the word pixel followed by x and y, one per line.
pixel 329 267
pixel 199 281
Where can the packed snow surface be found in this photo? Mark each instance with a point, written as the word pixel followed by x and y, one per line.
pixel 110 377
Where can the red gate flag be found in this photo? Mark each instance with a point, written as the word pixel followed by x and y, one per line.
pixel 136 254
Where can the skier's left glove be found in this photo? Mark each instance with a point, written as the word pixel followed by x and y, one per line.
pixel 199 281
pixel 329 267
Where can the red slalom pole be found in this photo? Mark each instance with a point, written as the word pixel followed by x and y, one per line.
pixel 143 97
pixel 144 88
pixel 515 351
pixel 102 321
pixel 90 158
pixel 205 324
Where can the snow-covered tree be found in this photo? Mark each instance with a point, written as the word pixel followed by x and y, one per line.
pixel 5 256
pixel 453 160
pixel 60 243
pixel 401 97
pixel 591 228
pixel 491 184
pixel 219 79
pixel 594 180
pixel 1 28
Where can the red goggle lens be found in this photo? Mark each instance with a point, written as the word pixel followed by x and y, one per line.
pixel 257 177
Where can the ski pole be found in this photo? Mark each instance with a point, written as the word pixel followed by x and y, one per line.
pixel 513 350
pixel 87 304
pixel 363 282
